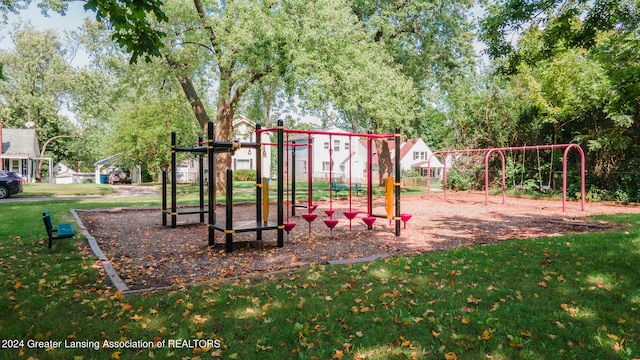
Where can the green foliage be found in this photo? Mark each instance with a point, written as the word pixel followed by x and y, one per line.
pixel 38 79
pixel 458 180
pixel 134 31
pixel 244 175
pixel 143 132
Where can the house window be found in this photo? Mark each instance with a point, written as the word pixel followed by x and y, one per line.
pixel 304 165
pixel 336 145
pixel 346 145
pixel 326 145
pixel 419 155
pixel 243 164
pixel 326 166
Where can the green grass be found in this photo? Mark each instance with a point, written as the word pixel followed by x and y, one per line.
pixel 570 297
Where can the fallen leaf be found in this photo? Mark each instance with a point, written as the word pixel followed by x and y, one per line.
pixel 451 356
pixel 338 355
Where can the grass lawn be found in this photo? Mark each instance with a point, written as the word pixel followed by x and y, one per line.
pixel 570 297
pixel 44 189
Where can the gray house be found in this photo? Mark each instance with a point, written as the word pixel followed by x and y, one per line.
pixel 19 151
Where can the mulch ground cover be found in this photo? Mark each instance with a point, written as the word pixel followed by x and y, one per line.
pixel 147 255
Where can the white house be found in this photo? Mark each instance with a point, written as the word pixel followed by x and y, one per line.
pixel 414 154
pixel 245 158
pixel 244 130
pixel 339 155
pixel 19 150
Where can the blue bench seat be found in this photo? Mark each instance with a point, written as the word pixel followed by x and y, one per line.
pixel 60 231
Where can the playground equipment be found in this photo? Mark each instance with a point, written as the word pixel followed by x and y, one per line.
pixel 370 218
pixel 490 151
pixel 199 151
pixel 211 148
pixel 261 223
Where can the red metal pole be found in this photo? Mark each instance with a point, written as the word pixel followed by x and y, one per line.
pixel 330 174
pixel 564 175
pixel 486 176
pixel 567 147
pixel 309 175
pixel 317 132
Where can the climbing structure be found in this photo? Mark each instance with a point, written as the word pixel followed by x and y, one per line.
pixel 261 223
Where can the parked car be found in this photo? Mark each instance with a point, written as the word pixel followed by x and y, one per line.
pixel 120 176
pixel 10 184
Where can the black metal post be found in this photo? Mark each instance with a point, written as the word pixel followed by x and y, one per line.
pixel 229 211
pixel 211 178
pixel 174 210
pixel 201 184
pixel 397 184
pixel 259 184
pixel 164 197
pixel 280 183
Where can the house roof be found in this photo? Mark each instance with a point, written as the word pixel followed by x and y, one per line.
pixel 241 119
pixel 107 160
pixel 19 143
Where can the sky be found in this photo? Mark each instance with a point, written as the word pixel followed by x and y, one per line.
pixel 71 21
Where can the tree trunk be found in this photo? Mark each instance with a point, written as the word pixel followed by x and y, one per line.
pixel 384 161
pixel 223 130
pixel 196 105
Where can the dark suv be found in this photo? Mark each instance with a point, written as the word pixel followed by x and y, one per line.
pixel 120 176
pixel 10 184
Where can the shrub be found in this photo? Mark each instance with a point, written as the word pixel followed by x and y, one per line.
pixel 244 175
pixel 457 181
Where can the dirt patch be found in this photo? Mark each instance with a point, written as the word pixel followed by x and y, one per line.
pixel 146 254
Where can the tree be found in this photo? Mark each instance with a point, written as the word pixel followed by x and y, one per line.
pixel 251 43
pixel 561 23
pixel 580 61
pixel 141 131
pixel 38 78
pixel 429 42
